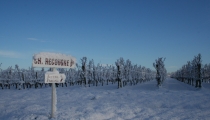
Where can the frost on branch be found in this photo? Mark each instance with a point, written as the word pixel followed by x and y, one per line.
pixel 192 73
pixel 161 71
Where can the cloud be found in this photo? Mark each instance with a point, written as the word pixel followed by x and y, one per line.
pixel 32 39
pixel 35 39
pixel 10 54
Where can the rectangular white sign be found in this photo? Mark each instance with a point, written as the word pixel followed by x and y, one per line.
pixel 54 78
pixel 53 60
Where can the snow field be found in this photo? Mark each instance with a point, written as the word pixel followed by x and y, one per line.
pixel 174 101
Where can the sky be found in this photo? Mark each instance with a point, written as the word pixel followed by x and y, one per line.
pixel 105 30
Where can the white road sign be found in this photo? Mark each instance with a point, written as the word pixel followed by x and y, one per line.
pixel 53 77
pixel 53 60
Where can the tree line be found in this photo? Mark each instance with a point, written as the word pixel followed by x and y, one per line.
pixel 86 73
pixel 193 72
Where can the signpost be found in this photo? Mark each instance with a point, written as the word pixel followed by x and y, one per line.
pixel 53 60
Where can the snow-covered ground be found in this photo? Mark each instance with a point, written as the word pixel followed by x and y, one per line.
pixel 174 101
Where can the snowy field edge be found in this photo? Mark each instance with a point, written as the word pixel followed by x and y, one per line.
pixel 174 100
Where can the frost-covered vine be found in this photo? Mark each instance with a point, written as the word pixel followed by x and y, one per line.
pixel 193 73
pixel 86 73
pixel 161 71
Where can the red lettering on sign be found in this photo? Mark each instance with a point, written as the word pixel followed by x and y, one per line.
pixel 67 62
pixel 49 61
pixel 39 60
pixel 35 62
pixel 64 62
pixel 52 61
pixel 46 61
pixel 72 62
pixel 61 62
pixel 56 61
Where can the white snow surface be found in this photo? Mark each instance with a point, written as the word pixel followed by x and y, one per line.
pixel 52 55
pixel 174 101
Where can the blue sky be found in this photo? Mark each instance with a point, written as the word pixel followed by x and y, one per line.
pixel 105 30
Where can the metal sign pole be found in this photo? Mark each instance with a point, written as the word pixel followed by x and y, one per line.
pixel 54 98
